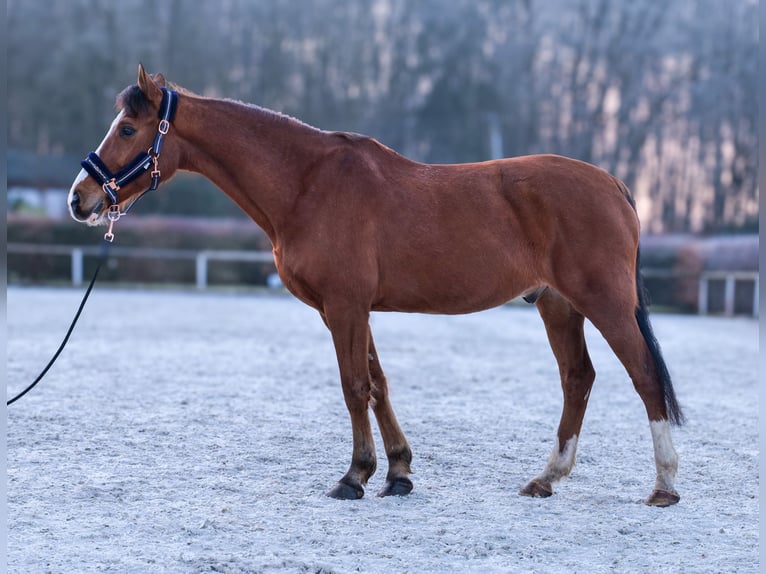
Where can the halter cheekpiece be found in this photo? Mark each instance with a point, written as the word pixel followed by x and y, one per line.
pixel 112 182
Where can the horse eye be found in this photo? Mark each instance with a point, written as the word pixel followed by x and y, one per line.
pixel 127 131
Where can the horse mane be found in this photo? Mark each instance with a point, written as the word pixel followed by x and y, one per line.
pixel 273 114
pixel 134 102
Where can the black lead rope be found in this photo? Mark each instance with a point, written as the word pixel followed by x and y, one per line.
pixel 101 259
pixel 111 184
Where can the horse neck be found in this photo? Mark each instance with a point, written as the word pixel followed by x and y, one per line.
pixel 253 155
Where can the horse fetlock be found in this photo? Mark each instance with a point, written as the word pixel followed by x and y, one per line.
pixel 351 486
pixel 400 459
pixel 363 466
pixel 398 482
pixel 665 456
pixel 560 462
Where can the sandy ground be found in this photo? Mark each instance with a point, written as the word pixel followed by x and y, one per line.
pixel 185 432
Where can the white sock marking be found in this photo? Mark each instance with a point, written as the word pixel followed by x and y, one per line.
pixel 560 463
pixel 665 456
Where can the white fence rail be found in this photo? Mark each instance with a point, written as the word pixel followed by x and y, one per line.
pixel 77 255
pixel 201 259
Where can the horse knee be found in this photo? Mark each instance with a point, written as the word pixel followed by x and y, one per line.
pixel 378 390
pixel 358 394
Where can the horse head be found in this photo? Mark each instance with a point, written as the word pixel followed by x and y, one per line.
pixel 127 162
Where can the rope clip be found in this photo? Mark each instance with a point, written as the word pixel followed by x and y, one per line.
pixel 113 215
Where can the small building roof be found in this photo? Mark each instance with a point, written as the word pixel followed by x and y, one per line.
pixel 28 169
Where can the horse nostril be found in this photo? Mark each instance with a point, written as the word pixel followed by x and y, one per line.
pixel 75 201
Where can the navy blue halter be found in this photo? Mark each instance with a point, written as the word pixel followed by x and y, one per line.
pixel 112 182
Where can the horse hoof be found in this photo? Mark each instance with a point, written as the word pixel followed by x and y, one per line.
pixel 344 491
pixel 536 489
pixel 662 498
pixel 398 487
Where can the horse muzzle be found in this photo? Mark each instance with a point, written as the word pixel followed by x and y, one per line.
pixel 91 216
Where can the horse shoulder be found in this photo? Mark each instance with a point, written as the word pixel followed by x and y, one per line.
pixel 332 222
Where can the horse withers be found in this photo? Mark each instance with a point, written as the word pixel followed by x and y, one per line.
pixel 356 227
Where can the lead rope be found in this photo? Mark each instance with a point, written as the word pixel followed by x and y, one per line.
pixel 103 255
pixel 109 183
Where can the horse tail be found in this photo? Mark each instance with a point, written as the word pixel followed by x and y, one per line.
pixel 675 414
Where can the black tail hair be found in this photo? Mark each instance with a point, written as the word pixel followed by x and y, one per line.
pixel 672 407
pixel 675 414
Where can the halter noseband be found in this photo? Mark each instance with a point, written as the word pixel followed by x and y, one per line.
pixel 112 182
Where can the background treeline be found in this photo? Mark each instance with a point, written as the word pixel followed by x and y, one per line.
pixel 663 94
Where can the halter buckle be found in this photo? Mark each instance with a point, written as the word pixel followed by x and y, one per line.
pixel 164 127
pixel 110 188
pixel 111 184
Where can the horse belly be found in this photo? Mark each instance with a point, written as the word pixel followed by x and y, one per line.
pixel 450 281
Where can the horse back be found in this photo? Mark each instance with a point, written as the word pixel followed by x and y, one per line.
pixel 454 238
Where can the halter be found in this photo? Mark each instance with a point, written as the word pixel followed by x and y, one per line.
pixel 112 182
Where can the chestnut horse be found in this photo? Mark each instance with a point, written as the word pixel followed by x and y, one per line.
pixel 356 227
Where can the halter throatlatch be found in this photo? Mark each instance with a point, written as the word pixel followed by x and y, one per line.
pixel 112 182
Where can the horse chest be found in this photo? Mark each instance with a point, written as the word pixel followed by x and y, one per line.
pixel 295 280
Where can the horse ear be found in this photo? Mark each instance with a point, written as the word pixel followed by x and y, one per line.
pixel 159 79
pixel 148 86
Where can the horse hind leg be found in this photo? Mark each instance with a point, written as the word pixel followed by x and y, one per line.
pixel 564 326
pixel 622 319
pixel 397 449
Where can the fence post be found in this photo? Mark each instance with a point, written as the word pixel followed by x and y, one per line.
pixel 77 266
pixel 201 270
pixel 728 295
pixel 702 295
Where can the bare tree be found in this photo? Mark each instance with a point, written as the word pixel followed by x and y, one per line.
pixel 662 94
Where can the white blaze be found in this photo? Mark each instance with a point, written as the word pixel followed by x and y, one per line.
pixel 83 175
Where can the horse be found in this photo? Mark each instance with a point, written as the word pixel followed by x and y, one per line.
pixel 356 227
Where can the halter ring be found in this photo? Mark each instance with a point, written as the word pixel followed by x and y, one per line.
pixel 111 184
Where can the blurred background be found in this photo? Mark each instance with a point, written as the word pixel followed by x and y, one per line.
pixel 663 95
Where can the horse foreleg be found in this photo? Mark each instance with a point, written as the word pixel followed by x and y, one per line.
pixel 397 449
pixel 564 326
pixel 350 334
